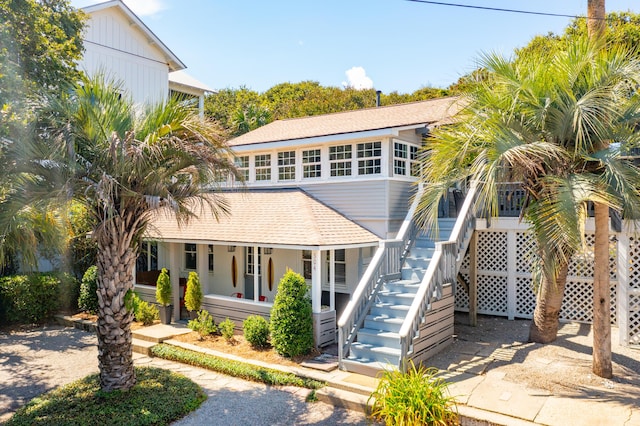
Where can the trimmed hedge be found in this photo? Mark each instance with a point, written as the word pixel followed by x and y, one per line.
pixel 233 368
pixel 34 298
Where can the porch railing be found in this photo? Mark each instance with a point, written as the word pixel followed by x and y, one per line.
pixel 445 264
pixel 385 265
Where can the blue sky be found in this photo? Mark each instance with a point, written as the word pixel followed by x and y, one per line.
pixel 391 45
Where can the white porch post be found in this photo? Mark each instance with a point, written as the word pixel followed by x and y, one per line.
pixel 257 268
pixel 174 268
pixel 332 280
pixel 316 281
pixel 203 266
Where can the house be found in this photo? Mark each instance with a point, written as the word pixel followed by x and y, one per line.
pixel 120 46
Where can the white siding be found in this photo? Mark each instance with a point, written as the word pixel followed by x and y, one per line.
pixel 115 48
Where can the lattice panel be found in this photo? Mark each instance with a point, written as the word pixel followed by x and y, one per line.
pixel 578 301
pixel 492 251
pixel 634 262
pixel 634 320
pixel 525 246
pixel 525 298
pixel 492 294
pixel 582 263
pixel 462 298
pixel 465 262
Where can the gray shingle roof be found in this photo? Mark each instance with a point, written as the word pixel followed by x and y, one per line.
pixel 266 217
pixel 434 112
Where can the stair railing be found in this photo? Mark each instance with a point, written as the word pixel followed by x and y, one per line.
pixel 385 266
pixel 443 268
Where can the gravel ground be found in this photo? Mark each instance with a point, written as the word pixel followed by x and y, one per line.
pixel 34 361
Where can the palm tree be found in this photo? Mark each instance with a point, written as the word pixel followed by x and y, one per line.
pixel 538 120
pixel 94 147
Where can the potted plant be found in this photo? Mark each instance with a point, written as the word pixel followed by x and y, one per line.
pixel 163 296
pixel 193 295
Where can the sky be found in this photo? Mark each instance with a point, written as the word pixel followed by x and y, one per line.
pixel 389 45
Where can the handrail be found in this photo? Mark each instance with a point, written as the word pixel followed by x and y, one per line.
pixel 386 263
pixel 445 263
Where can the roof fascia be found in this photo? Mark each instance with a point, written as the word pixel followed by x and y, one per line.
pixel 277 246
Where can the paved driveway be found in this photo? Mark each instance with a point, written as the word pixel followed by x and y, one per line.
pixel 35 361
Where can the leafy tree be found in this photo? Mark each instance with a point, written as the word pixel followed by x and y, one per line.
pixel 539 120
pixel 122 165
pixel 193 295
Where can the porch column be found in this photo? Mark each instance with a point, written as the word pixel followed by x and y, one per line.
pixel 203 266
pixel 175 253
pixel 257 269
pixel 332 280
pixel 316 281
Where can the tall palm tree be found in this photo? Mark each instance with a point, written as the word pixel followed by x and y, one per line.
pixel 96 148
pixel 538 120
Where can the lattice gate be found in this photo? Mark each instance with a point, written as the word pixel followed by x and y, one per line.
pixel 505 284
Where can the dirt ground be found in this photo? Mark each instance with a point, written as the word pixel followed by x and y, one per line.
pixel 561 367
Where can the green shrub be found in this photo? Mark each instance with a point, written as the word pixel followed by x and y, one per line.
pixel 414 397
pixel 146 313
pixel 204 324
pixel 159 397
pixel 69 292
pixel 163 288
pixel 226 328
pixel 233 368
pixel 88 300
pixel 256 331
pixel 29 298
pixel 193 295
pixel 291 323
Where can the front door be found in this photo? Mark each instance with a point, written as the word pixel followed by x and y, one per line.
pixel 251 260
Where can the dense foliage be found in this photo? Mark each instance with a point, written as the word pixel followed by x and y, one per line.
pixel 88 300
pixel 291 323
pixel 256 331
pixel 159 398
pixel 34 298
pixel 193 294
pixel 227 329
pixel 163 288
pixel 203 325
pixel 414 397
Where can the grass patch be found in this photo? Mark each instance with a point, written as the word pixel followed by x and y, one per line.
pixel 233 368
pixel 158 398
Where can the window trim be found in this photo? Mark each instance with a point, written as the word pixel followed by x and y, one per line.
pixel 367 159
pixel 194 253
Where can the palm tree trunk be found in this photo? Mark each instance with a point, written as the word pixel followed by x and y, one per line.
pixel 601 326
pixel 116 261
pixel 544 327
pixel 596 23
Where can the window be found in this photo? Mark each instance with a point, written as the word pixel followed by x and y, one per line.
pixel 311 167
pixel 287 165
pixel 413 161
pixel 340 266
pixel 340 160
pixel 263 167
pixel 190 256
pixel 399 159
pixel 306 264
pixel 242 163
pixel 210 257
pixel 148 259
pixel 251 261
pixel 369 158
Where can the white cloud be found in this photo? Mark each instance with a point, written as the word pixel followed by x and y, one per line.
pixel 145 7
pixel 357 79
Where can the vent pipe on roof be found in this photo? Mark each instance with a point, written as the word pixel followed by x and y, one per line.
pixel 378 92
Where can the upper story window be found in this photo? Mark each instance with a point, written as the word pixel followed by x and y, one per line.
pixel 413 161
pixel 190 256
pixel 263 167
pixel 369 158
pixel 340 160
pixel 311 164
pixel 242 163
pixel 400 158
pixel 287 165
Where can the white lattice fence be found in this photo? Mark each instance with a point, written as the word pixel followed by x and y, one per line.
pixel 505 285
pixel 633 295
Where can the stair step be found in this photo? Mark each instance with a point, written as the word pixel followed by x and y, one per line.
pixel 383 323
pixel 385 339
pixel 365 367
pixel 396 298
pixel 403 286
pixel 366 352
pixel 142 346
pixel 343 398
pixel 408 273
pixel 391 310
pixel 417 262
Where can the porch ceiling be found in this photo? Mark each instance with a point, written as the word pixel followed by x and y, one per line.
pixel 264 217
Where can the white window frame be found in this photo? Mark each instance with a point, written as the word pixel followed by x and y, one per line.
pixel 414 164
pixel 243 163
pixel 369 155
pixel 286 165
pixel 262 167
pixel 193 253
pixel 400 158
pixel 210 258
pixel 341 159
pixel 315 166
pixel 343 265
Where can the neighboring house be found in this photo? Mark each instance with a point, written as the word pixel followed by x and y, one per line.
pixel 118 44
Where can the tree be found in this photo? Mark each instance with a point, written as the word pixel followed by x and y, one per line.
pixel 538 120
pixel 92 146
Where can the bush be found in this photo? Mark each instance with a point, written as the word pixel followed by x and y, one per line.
pixel 146 313
pixel 291 319
pixel 226 328
pixel 163 288
pixel 204 324
pixel 256 331
pixel 88 300
pixel 193 295
pixel 69 292
pixel 29 298
pixel 414 397
pixel 233 368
